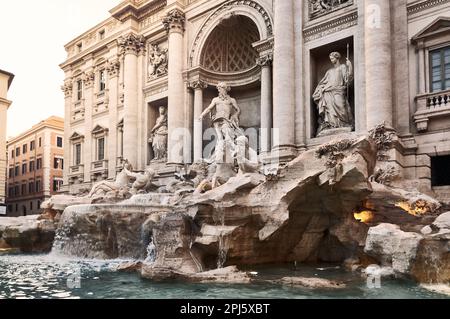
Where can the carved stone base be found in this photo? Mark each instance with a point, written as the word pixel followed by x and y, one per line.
pixel 335 131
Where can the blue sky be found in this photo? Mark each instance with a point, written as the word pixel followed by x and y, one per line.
pixel 32 38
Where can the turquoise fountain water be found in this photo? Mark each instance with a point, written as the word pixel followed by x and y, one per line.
pixel 51 276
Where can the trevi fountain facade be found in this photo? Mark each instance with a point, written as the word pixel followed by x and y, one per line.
pixel 209 138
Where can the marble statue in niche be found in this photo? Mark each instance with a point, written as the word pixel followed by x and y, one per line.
pixel 157 62
pixel 331 96
pixel 224 112
pixel 158 136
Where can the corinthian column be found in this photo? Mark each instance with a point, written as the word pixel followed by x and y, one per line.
pixel 284 78
pixel 378 50
pixel 198 87
pixel 131 45
pixel 266 102
pixel 174 24
pixel 113 87
pixel 88 96
pixel 67 88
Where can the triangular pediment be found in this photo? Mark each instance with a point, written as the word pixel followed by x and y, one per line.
pixel 76 136
pixel 99 130
pixel 438 26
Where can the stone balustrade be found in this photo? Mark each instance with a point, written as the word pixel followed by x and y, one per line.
pixel 431 105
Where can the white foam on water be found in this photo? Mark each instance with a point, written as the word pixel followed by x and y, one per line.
pixel 437 288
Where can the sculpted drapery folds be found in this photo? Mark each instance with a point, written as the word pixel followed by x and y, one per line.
pixel 331 96
pixel 159 134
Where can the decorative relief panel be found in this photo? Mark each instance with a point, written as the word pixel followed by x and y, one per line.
pixel 321 7
pixel 157 61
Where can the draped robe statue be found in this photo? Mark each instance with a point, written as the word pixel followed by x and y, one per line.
pixel 331 96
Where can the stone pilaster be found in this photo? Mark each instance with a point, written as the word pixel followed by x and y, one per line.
pixel 378 51
pixel 198 87
pixel 284 79
pixel 265 62
pixel 88 97
pixel 67 88
pixel 131 45
pixel 113 68
pixel 174 24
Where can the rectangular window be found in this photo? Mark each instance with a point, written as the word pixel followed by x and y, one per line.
pixel 31 187
pixel 101 149
pixel 40 142
pixel 39 164
pixel 440 69
pixel 57 184
pixel 24 189
pixel 31 206
pixel 24 148
pixel 24 168
pixel 11 172
pixel 16 171
pixel 38 186
pixel 77 154
pixel 58 163
pixel 79 90
pixel 32 166
pixel 12 154
pixel 32 145
pixel 440 171
pixel 17 151
pixel 16 190
pixel 102 81
pixel 59 141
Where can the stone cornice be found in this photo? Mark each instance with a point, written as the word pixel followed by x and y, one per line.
pixel 136 9
pixel 332 26
pixel 5 102
pixel 419 6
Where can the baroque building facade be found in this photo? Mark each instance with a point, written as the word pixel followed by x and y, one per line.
pixel 6 79
pixel 302 72
pixel 35 167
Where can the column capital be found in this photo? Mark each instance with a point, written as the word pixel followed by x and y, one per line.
pixel 88 79
pixel 265 60
pixel 174 21
pixel 113 68
pixel 131 43
pixel 67 88
pixel 197 85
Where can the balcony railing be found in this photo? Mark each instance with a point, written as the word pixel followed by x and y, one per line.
pixel 99 165
pixel 429 106
pixel 77 169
